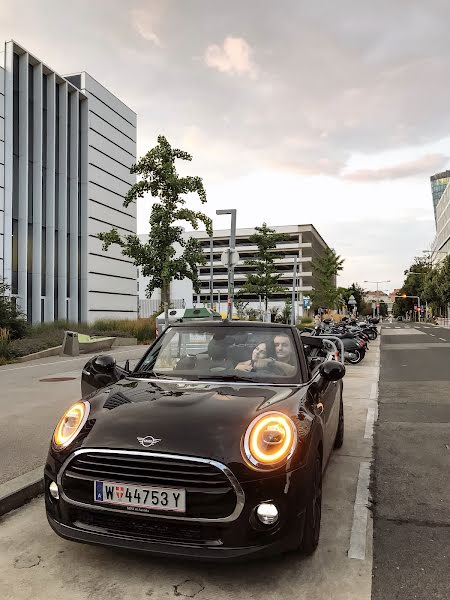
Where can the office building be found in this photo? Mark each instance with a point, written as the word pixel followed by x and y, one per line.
pixel 441 244
pixel 66 147
pixel 438 184
pixel 304 243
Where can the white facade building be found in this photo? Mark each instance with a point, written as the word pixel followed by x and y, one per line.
pixel 66 147
pixel 304 242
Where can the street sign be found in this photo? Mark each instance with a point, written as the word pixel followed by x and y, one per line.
pixel 306 302
pixel 231 260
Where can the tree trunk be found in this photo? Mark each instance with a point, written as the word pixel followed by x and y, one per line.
pixel 165 297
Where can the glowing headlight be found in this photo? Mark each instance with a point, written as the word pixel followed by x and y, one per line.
pixel 70 425
pixel 270 440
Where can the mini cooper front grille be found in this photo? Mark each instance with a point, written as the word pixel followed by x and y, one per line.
pixel 141 528
pixel 209 491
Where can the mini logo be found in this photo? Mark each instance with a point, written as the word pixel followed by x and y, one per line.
pixel 148 441
pixel 119 492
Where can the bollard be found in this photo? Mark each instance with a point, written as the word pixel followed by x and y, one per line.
pixel 70 346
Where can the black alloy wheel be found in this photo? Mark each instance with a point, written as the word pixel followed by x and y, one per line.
pixel 339 439
pixel 313 516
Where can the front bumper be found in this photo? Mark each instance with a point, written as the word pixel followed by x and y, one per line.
pixel 189 538
pixel 185 550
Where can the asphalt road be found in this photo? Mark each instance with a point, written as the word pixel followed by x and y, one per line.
pixel 35 563
pixel 30 408
pixel 411 485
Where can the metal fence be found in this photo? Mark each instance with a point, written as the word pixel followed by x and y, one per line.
pixel 148 307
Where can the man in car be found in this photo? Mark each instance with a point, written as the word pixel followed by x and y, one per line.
pixel 285 353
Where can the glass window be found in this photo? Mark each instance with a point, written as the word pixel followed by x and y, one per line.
pixel 258 354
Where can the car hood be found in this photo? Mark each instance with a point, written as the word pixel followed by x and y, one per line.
pixel 206 420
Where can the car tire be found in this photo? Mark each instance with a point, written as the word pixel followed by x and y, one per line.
pixel 339 439
pixel 313 515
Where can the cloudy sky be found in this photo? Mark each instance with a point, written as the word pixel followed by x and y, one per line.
pixel 324 112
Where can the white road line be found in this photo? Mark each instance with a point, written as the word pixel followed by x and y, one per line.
pixel 374 391
pixel 370 420
pixel 443 339
pixel 432 334
pixel 357 548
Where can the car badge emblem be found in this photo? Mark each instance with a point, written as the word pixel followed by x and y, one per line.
pixel 148 441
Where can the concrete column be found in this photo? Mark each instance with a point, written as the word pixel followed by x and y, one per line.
pixel 50 200
pixel 23 183
pixel 36 277
pixel 62 202
pixel 73 191
pixel 9 96
pixel 84 127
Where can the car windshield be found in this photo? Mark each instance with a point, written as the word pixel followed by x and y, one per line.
pixel 258 354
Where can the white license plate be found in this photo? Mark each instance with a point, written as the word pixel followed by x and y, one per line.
pixel 139 496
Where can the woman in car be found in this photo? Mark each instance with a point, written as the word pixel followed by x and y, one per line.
pixel 264 357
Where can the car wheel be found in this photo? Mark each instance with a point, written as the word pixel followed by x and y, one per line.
pixel 311 531
pixel 339 439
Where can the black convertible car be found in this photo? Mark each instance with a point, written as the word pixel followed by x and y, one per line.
pixel 214 446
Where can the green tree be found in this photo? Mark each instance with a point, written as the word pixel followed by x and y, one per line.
pixel 416 280
pixel 326 268
pixel 264 282
pixel 11 318
pixel 158 258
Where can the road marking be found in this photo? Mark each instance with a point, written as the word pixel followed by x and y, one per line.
pixel 432 334
pixel 374 391
pixel 86 356
pixel 443 339
pixel 358 536
pixel 370 421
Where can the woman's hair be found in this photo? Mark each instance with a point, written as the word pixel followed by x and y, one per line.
pixel 270 347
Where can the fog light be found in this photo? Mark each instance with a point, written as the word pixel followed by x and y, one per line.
pixel 54 491
pixel 267 513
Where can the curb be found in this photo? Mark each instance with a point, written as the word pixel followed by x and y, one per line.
pixel 18 491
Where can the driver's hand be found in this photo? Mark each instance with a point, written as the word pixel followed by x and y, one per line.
pixel 243 367
pixel 262 363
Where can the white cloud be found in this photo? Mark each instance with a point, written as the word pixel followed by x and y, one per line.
pixel 233 57
pixel 425 165
pixel 144 24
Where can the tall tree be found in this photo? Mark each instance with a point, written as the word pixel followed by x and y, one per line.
pixel 264 281
pixel 11 318
pixel 325 268
pixel 158 258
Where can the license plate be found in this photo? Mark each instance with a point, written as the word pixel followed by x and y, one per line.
pixel 140 497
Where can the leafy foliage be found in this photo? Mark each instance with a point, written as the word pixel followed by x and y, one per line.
pixel 264 282
pixel 326 267
pixel 11 317
pixel 158 257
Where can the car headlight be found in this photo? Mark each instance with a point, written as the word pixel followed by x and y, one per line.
pixel 70 425
pixel 270 440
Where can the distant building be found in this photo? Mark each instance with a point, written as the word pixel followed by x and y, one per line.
pixel 441 244
pixel 380 296
pixel 304 243
pixel 66 147
pixel 438 184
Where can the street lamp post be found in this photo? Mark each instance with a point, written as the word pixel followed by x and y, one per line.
pixel 378 300
pixel 232 212
pixel 426 302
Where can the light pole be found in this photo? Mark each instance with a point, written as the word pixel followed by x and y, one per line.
pixel 378 301
pixel 232 212
pixel 426 302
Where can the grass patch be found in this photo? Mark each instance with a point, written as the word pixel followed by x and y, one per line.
pixel 48 335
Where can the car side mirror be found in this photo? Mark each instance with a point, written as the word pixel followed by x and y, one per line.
pixel 104 363
pixel 332 370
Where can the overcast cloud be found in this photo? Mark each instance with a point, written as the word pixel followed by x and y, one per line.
pixel 328 112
